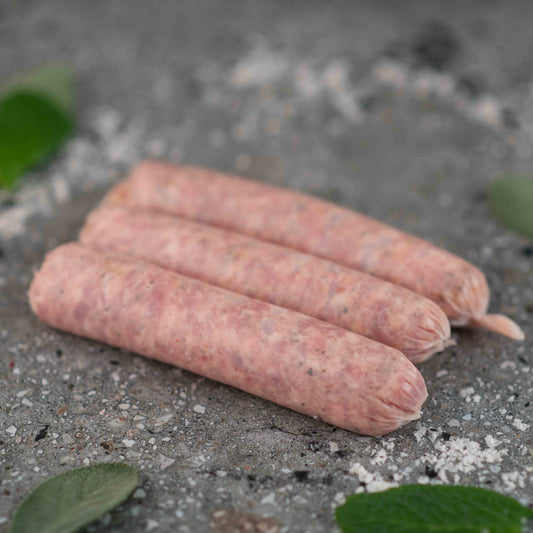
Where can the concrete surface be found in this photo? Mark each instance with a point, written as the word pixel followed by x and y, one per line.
pixel 350 101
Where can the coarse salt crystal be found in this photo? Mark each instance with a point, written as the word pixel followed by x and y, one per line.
pixel 151 524
pixel 467 392
pixel 518 424
pixel 269 498
pixel 508 364
pixel 163 419
pixel 333 446
pixel 166 461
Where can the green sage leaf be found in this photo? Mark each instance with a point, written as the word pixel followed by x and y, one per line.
pixel 35 118
pixel 511 199
pixel 432 508
pixel 72 500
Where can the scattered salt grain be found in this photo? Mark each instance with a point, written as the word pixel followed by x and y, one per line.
pixel 268 499
pixel 139 494
pixel 508 364
pixel 333 446
pixel 466 392
pixel 165 462
pixel 492 442
pixel 163 419
pixel 151 525
pixel 518 424
pixel 379 458
pixel 420 432
pixel 260 67
pixel 373 482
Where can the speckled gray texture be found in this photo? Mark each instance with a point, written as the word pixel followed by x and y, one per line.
pixel 299 94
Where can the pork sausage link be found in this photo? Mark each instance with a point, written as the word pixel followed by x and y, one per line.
pixel 294 360
pixel 306 283
pixel 312 225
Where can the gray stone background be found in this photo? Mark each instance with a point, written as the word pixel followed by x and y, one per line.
pixel 406 111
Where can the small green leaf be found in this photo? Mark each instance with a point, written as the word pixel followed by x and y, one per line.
pixel 432 508
pixel 35 118
pixel 31 128
pixel 55 82
pixel 72 500
pixel 511 199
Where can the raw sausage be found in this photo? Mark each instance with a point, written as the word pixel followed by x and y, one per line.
pixel 312 225
pixel 294 360
pixel 348 298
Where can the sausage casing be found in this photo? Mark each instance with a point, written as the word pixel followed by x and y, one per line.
pixel 318 227
pixel 294 360
pixel 306 283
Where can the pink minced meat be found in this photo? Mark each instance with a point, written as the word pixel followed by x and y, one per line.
pixel 314 226
pixel 289 358
pixel 306 283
